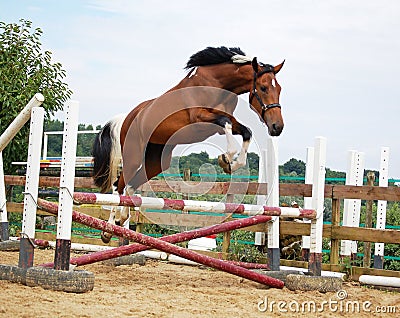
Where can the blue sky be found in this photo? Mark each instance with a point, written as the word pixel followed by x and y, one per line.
pixel 340 79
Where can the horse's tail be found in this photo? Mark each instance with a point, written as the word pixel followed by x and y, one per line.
pixel 106 154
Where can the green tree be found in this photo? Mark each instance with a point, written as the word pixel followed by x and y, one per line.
pixel 294 167
pixel 25 69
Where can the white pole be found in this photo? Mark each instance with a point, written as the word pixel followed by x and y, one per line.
pixel 352 207
pixel 31 188
pixel 20 120
pixel 381 211
pixel 67 171
pixel 4 234
pixel 45 144
pixel 318 191
pixel 259 238
pixel 67 177
pixel 273 200
pixel 308 200
pixel 380 280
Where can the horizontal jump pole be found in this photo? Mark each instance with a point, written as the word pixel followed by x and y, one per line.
pixel 173 239
pixel 191 205
pixel 164 246
pixel 20 120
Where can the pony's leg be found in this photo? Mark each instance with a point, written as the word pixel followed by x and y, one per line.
pixel 105 236
pixel 241 159
pixel 245 132
pixel 226 160
pixel 125 212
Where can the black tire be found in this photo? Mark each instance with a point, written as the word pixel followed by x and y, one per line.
pixel 67 281
pixel 126 260
pixel 307 283
pixel 13 274
pixel 281 275
pixel 9 246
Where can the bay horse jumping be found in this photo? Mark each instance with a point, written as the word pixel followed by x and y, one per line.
pixel 201 105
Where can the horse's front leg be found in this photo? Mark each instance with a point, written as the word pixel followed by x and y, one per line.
pixel 105 236
pixel 125 211
pixel 226 161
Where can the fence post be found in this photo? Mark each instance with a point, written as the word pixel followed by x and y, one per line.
pixel 335 243
pixel 226 239
pixel 381 213
pixel 31 188
pixel 368 221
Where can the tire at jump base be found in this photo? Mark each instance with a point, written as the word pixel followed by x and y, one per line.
pixel 307 283
pixel 13 274
pixel 67 281
pixel 9 246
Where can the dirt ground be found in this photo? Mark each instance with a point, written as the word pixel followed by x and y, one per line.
pixel 160 289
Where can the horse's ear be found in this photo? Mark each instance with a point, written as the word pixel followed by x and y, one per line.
pixel 278 67
pixel 254 63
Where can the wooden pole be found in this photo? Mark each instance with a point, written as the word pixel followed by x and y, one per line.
pixel 226 241
pixel 335 243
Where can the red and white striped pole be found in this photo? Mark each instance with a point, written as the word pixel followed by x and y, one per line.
pixel 173 239
pixel 190 205
pixel 165 246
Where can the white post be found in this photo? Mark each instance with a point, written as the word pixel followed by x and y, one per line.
pixel 261 198
pixel 352 207
pixel 20 120
pixel 318 191
pixel 273 200
pixel 4 234
pixel 305 245
pixel 381 211
pixel 67 176
pixel 31 188
pixel 45 144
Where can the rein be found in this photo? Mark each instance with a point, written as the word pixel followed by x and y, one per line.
pixel 253 93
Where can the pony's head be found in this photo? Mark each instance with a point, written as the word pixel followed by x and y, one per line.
pixel 264 96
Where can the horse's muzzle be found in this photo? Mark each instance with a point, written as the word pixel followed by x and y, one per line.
pixel 275 129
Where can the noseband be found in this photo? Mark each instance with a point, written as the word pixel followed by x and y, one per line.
pixel 267 68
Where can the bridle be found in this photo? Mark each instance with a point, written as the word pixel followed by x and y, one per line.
pixel 267 69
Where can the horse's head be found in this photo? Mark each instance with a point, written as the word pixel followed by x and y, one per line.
pixel 266 91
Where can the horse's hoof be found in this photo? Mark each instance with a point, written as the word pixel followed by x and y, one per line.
pixel 105 237
pixel 224 163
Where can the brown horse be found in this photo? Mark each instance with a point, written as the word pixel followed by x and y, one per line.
pixel 201 105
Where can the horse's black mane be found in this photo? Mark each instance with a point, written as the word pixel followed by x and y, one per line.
pixel 213 55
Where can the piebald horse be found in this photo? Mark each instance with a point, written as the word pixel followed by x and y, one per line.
pixel 201 105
